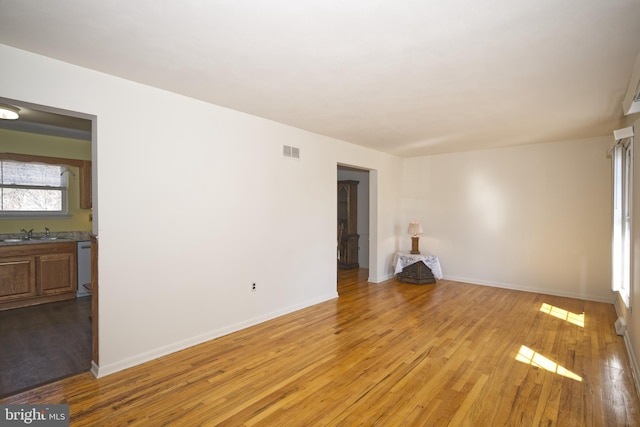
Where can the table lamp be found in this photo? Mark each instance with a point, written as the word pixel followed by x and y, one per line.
pixel 414 229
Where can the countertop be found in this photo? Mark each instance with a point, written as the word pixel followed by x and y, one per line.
pixel 38 238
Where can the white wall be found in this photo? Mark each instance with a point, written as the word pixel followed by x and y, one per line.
pixel 534 217
pixel 191 209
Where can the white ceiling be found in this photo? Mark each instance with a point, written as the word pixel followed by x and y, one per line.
pixel 408 77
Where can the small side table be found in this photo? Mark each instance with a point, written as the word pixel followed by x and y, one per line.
pixel 417 269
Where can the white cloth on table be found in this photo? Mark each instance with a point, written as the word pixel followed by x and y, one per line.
pixel 401 260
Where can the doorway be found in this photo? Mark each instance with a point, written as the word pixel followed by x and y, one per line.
pixel 363 214
pixel 50 340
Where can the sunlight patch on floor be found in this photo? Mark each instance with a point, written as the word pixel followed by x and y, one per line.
pixel 575 318
pixel 530 357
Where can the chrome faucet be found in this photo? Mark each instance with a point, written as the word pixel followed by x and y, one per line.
pixel 47 232
pixel 27 234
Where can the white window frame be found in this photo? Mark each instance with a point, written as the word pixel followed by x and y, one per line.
pixel 622 166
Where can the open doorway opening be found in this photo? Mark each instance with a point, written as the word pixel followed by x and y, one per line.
pixel 353 223
pixel 48 308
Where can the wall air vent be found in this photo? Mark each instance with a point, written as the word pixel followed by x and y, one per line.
pixel 293 152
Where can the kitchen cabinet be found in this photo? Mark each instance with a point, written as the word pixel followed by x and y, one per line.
pixel 55 273
pixel 85 185
pixel 17 278
pixel 33 274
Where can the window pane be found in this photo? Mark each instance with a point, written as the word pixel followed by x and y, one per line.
pixel 16 173
pixel 21 199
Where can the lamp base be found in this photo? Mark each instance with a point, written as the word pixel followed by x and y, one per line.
pixel 414 245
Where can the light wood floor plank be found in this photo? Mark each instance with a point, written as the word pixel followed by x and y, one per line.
pixel 449 354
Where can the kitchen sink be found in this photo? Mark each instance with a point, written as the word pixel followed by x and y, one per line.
pixel 32 240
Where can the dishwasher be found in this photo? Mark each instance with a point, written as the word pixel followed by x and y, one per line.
pixel 84 268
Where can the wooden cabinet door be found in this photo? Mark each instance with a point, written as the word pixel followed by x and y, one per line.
pixel 56 273
pixel 85 185
pixel 17 278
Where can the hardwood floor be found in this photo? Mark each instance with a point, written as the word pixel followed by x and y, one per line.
pixel 43 343
pixel 449 354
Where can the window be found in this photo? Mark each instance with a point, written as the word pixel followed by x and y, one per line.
pixel 622 191
pixel 32 188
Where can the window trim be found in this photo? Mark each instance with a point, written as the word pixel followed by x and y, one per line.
pixel 622 233
pixel 29 158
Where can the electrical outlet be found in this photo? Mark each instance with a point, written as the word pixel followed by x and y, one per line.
pixel 253 287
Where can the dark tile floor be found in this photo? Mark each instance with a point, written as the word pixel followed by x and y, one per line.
pixel 44 343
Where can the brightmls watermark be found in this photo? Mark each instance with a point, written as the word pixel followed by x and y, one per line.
pixel 36 415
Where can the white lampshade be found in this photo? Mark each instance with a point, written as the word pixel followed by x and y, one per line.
pixel 415 228
pixel 8 112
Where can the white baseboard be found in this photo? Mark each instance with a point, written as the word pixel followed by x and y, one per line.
pixel 94 369
pixel 633 360
pixel 635 370
pixel 112 368
pixel 609 300
pixel 380 279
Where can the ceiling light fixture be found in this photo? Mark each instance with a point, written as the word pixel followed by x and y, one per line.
pixel 8 112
